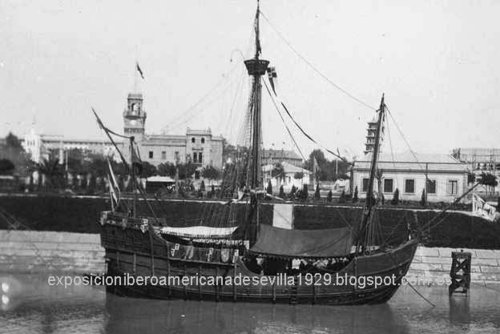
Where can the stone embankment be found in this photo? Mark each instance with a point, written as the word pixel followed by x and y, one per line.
pixel 434 264
pixel 79 253
pixel 35 251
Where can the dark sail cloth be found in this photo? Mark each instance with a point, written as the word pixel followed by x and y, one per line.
pixel 284 243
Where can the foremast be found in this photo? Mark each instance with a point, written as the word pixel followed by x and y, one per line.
pixel 366 223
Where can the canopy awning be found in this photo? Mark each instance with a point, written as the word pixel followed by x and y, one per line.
pixel 280 242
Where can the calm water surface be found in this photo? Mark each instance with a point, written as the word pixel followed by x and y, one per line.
pixel 29 305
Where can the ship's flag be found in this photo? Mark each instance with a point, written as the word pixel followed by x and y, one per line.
pixel 483 209
pixel 272 75
pixel 139 70
pixel 114 189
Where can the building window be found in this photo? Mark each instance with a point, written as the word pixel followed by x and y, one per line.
pixel 203 140
pixel 410 186
pixel 200 157
pixel 164 155
pixel 195 157
pixel 388 185
pixel 452 187
pixel 364 187
pixel 193 140
pixel 150 154
pixel 431 186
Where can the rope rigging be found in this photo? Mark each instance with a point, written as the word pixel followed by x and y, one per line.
pixel 315 69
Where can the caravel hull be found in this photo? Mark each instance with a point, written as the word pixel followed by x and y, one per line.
pixel 136 252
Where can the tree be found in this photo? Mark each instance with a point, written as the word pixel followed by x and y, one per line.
pixel 317 194
pixel 186 170
pixel 489 180
pixel 395 197
pixel 304 193
pixel 53 172
pixel 355 197
pixel 13 142
pixel 148 169
pixel 329 197
pixel 92 184
pixel 269 188
pixel 282 192
pixel 298 175
pixel 278 171
pixel 13 150
pixel 423 198
pixel 211 173
pixel 166 169
pixel 6 167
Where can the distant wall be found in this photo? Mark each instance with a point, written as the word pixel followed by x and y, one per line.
pixel 79 214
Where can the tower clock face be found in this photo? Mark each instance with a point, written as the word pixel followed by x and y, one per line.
pixel 133 122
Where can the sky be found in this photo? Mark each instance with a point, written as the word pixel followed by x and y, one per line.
pixel 436 61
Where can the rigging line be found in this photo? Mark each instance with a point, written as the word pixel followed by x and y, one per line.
pixel 283 120
pixel 307 135
pixel 214 87
pixel 238 93
pixel 392 150
pixel 444 212
pixel 404 138
pixel 314 68
pixel 186 118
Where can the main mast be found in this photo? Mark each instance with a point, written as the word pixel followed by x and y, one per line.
pixel 256 68
pixel 370 200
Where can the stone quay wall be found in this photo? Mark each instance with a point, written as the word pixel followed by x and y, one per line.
pixel 80 253
pixel 51 252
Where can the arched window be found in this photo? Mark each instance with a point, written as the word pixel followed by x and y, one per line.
pixel 203 140
pixel 135 108
pixel 193 140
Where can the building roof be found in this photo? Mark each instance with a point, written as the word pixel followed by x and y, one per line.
pixel 280 154
pixel 417 162
pixel 287 168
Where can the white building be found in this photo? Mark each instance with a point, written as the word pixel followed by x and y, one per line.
pixel 446 177
pixel 288 179
pixel 200 147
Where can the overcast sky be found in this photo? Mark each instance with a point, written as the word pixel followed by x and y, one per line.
pixel 438 62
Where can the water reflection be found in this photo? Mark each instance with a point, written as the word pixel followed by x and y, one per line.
pixel 30 305
pixel 132 315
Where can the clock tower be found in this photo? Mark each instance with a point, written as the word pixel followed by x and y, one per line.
pixel 134 117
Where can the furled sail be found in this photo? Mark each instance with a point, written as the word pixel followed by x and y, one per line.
pixel 199 231
pixel 280 242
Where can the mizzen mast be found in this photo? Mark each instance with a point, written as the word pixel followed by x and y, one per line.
pixel 370 200
pixel 256 68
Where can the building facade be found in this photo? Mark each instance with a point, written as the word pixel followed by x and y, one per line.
pixel 199 147
pixel 443 177
pixel 39 146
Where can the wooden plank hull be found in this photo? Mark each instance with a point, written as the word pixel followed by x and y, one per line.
pixel 135 252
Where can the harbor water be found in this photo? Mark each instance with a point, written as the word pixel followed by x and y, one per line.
pixel 30 305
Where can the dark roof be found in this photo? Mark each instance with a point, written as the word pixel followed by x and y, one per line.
pixel 280 154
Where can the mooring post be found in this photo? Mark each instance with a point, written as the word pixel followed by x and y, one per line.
pixel 460 272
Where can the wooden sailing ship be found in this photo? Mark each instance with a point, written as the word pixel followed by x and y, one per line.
pixel 271 264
